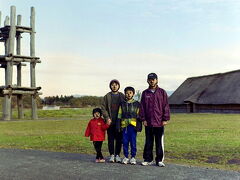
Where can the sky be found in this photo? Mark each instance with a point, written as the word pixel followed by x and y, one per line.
pixel 84 44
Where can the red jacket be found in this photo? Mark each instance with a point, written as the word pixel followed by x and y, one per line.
pixel 96 129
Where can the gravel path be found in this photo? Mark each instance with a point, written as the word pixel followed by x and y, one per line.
pixel 18 164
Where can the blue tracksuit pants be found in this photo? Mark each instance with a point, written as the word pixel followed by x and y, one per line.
pixel 129 136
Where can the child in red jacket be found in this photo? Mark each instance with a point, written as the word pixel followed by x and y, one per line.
pixel 96 130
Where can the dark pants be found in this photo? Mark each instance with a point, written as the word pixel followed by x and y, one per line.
pixel 114 136
pixel 129 136
pixel 158 134
pixel 98 147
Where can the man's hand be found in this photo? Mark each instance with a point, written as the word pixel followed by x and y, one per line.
pixel 109 121
pixel 145 123
pixel 164 123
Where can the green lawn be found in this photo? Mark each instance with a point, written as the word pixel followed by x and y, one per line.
pixel 209 140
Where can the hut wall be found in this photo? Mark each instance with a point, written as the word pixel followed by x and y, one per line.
pixel 205 108
pixel 222 108
pixel 178 108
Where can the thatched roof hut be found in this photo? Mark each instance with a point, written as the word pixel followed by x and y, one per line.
pixel 210 93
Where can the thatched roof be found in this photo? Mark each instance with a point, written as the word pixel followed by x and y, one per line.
pixel 222 88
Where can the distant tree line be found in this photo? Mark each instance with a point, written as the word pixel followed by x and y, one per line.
pixel 71 101
pixel 63 101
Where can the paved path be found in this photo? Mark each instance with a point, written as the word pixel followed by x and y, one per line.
pixel 18 164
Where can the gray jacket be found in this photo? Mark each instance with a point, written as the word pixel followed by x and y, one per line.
pixel 106 105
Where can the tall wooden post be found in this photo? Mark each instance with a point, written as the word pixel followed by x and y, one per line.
pixel 19 71
pixel 9 69
pixel 6 23
pixel 32 64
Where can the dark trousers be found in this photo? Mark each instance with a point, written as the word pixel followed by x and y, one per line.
pixel 129 136
pixel 98 147
pixel 114 140
pixel 152 133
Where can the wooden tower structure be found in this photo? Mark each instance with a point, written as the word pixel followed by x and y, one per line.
pixel 10 35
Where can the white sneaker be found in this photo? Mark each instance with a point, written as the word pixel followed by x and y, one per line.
pixel 161 164
pixel 117 159
pixel 125 160
pixel 133 161
pixel 145 163
pixel 111 159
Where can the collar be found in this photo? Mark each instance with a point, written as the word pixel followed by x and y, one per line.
pixel 130 101
pixel 150 90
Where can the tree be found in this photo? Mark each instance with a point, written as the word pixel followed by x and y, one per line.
pixel 138 95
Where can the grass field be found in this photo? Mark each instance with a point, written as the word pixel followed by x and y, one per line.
pixel 209 140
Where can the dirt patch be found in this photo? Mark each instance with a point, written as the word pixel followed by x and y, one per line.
pixel 213 159
pixel 170 155
pixel 190 156
pixel 234 161
pixel 173 157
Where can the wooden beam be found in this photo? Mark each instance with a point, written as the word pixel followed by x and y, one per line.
pixel 19 58
pixel 19 29
pixel 19 87
pixel 15 92
pixel 11 56
pixel 3 64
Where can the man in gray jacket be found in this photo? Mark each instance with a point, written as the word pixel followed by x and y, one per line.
pixel 110 107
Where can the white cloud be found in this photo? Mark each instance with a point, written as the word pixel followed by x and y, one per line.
pixel 68 74
pixel 78 75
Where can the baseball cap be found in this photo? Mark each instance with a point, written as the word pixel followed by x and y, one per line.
pixel 152 76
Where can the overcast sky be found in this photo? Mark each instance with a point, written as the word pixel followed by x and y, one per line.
pixel 83 44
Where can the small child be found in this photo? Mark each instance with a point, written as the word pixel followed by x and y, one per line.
pixel 96 130
pixel 130 123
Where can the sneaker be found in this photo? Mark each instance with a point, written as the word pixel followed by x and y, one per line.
pixel 112 159
pixel 133 161
pixel 125 160
pixel 145 163
pixel 160 164
pixel 117 159
pixel 97 160
pixel 101 160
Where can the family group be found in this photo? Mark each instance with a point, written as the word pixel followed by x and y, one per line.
pixel 122 117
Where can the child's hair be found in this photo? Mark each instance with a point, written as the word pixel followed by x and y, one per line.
pixel 114 81
pixel 129 88
pixel 97 110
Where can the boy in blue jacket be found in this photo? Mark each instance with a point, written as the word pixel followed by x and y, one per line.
pixel 130 124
